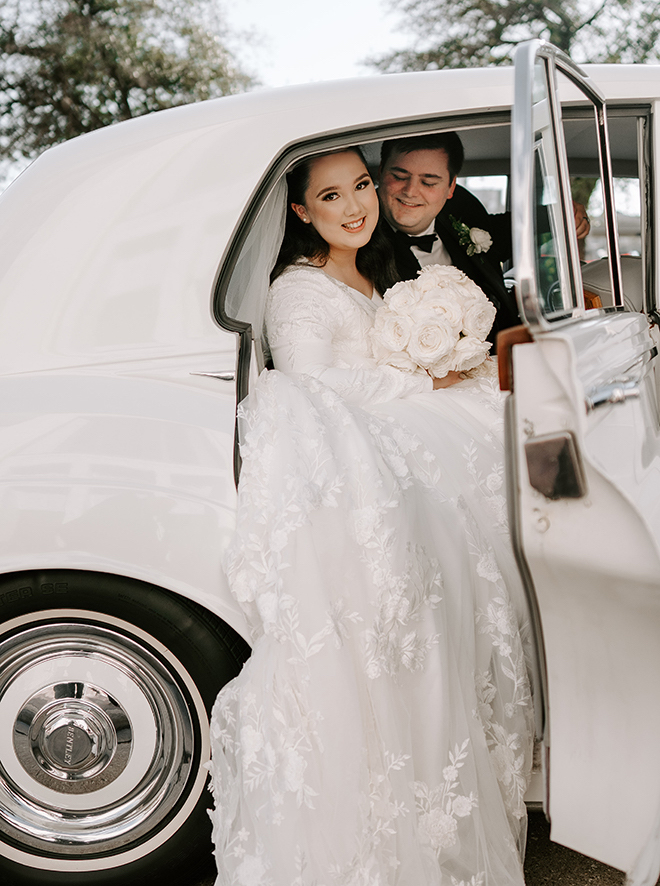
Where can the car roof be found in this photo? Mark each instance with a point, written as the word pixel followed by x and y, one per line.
pixel 112 241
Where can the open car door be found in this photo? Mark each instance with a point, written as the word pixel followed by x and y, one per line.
pixel 584 484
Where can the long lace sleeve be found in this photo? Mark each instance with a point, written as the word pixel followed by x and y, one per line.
pixel 317 327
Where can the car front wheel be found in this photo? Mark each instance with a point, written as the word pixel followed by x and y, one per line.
pixel 105 688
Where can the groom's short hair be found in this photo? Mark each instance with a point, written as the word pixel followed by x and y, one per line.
pixel 449 142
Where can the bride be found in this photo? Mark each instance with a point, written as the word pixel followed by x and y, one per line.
pixel 381 732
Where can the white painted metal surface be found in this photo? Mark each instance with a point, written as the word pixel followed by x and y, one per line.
pixel 596 574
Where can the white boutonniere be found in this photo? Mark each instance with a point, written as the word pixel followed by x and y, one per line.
pixel 475 240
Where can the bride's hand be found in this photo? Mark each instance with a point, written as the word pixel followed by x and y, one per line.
pixel 450 379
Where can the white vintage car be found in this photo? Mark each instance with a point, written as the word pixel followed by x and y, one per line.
pixel 128 331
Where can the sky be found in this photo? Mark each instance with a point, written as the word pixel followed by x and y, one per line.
pixel 300 41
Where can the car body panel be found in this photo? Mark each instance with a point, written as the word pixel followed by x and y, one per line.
pixel 129 474
pixel 595 567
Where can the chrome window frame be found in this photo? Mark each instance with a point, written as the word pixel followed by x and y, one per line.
pixel 523 208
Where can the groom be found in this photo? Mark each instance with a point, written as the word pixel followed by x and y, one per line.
pixel 430 218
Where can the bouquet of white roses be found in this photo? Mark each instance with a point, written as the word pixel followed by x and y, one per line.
pixel 436 323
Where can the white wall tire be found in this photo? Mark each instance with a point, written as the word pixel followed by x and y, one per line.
pixel 105 688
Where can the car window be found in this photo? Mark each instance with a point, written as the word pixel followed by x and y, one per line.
pixel 628 211
pixel 586 188
pixel 492 190
pixel 241 302
pixel 558 296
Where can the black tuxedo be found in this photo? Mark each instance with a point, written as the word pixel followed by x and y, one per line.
pixel 484 268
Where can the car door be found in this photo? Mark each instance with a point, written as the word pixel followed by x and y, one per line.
pixel 584 488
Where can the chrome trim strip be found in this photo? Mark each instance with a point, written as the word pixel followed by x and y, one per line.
pixel 223 375
pixel 541 712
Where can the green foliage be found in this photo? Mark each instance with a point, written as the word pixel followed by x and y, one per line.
pixel 71 66
pixel 471 33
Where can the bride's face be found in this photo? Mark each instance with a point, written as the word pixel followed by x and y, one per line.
pixel 340 201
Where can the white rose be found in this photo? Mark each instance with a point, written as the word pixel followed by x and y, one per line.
pixel 427 283
pixel 392 331
pixel 432 338
pixel 470 352
pixel 481 239
pixel 478 318
pixel 441 367
pixel 446 305
pixel 400 360
pixel 471 297
pixel 438 275
pixel 401 296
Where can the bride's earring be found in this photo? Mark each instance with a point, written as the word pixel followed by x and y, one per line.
pixel 299 210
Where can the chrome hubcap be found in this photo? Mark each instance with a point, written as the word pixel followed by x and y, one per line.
pixel 73 732
pixel 98 746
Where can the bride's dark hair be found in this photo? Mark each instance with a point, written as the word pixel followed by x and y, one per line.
pixel 374 260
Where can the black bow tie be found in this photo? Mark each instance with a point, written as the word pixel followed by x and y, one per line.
pixel 424 243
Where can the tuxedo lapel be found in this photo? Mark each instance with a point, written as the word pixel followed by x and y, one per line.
pixel 486 273
pixel 477 267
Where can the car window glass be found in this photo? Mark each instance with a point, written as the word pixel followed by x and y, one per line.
pixel 586 188
pixel 492 190
pixel 628 210
pixel 557 296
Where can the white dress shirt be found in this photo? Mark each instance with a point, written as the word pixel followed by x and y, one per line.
pixel 437 256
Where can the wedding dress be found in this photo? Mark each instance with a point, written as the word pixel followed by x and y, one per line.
pixel 381 732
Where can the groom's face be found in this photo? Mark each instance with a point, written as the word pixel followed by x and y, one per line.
pixel 413 189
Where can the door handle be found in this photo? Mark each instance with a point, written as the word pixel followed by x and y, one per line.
pixel 608 395
pixel 624 388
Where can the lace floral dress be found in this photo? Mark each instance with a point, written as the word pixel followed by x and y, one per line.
pixel 381 732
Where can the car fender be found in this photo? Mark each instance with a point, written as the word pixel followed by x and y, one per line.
pixel 128 475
